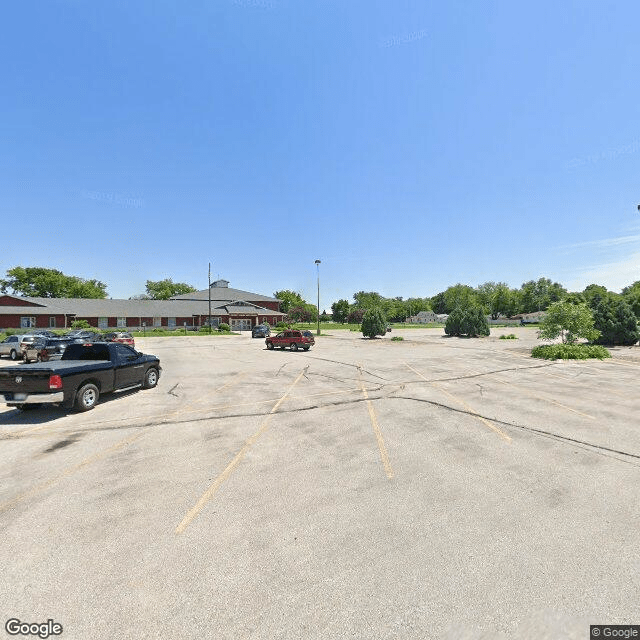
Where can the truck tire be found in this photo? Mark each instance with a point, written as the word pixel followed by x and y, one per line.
pixel 150 378
pixel 269 345
pixel 294 346
pixel 13 355
pixel 87 397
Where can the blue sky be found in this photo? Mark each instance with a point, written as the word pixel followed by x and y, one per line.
pixel 407 145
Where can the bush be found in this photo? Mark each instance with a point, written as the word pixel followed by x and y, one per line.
pixel 570 352
pixel 224 327
pixel 281 325
pixel 80 324
pixel 474 323
pixel 511 336
pixel 453 326
pixel 374 323
pixel 396 338
pixel 356 316
pixel 471 322
pixel 616 321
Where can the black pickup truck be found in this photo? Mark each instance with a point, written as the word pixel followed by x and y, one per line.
pixel 76 380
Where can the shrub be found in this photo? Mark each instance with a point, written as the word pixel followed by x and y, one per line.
pixel 453 326
pixel 224 327
pixel 471 322
pixel 474 323
pixel 511 336
pixel 396 338
pixel 570 352
pixel 616 321
pixel 80 324
pixel 374 323
pixel 281 325
pixel 570 321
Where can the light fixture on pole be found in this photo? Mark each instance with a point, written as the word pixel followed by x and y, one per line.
pixel 318 271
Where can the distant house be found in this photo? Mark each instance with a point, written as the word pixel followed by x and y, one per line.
pixel 528 318
pixel 422 317
pixel 242 310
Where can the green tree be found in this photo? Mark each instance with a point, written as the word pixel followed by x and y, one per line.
pixel 374 323
pixel 289 299
pixel 165 289
pixel 303 313
pixel 569 321
pixel 537 295
pixel 474 322
pixel 495 298
pixel 616 322
pixel 40 282
pixel 453 326
pixel 340 310
pixel 460 295
pixel 438 303
pixel 355 316
pixel 367 299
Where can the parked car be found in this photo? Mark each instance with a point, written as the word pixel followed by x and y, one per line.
pixel 45 349
pixel 261 331
pixel 291 338
pixel 12 345
pixel 42 333
pixel 82 335
pixel 80 377
pixel 119 336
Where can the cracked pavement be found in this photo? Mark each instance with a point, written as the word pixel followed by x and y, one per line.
pixel 434 487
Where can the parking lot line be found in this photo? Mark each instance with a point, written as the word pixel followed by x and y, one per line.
pixel 376 429
pixel 209 493
pixel 484 421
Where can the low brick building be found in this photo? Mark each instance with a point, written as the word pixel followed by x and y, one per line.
pixel 242 310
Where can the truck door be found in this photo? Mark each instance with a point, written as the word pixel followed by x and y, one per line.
pixel 128 369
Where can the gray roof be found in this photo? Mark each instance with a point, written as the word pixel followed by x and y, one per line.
pixel 225 294
pixel 96 307
pixel 244 309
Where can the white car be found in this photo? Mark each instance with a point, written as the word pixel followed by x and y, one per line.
pixel 12 345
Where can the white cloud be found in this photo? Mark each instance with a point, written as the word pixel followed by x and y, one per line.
pixel 613 275
pixel 603 242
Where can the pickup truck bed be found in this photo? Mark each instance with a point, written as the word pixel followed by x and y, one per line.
pixel 84 373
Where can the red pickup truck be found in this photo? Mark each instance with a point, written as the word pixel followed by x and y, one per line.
pixel 291 338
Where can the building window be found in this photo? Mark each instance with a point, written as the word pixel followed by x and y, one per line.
pixel 103 323
pixel 171 322
pixel 27 322
pixel 122 322
pixel 157 321
pixel 52 322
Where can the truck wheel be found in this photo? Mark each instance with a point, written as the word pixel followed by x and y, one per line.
pixel 13 355
pixel 150 378
pixel 269 345
pixel 87 397
pixel 294 346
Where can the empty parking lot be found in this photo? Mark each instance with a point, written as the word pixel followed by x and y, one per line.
pixel 432 487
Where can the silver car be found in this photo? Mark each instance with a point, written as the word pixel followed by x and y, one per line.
pixel 12 345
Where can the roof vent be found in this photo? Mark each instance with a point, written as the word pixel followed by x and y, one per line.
pixel 220 283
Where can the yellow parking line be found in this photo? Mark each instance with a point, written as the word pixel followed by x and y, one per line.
pixel 208 494
pixel 484 421
pixel 376 429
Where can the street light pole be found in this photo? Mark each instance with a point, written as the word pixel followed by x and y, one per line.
pixel 318 271
pixel 209 298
